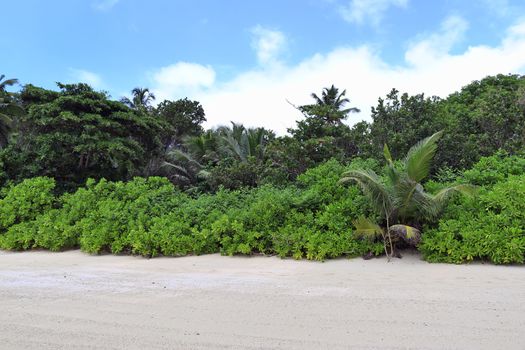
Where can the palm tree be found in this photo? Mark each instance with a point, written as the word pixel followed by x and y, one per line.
pixel 8 109
pixel 331 97
pixel 204 147
pixel 242 143
pixel 330 105
pixel 141 100
pixel 7 82
pixel 399 199
pixel 183 169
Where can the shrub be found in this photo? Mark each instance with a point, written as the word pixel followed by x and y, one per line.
pixel 112 223
pixel 490 227
pixel 25 201
pixel 303 237
pixel 491 170
pixel 171 235
pixel 149 217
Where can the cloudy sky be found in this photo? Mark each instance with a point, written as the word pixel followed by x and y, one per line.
pixel 245 59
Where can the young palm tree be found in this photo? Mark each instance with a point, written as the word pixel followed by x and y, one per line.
pixel 141 99
pixel 399 199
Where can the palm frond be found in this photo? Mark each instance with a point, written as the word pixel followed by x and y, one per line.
pixel 176 167
pixel 464 189
pixel 420 156
pixel 372 186
pixel 387 154
pixel 7 82
pixel 367 228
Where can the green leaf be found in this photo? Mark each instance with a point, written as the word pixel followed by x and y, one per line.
pixel 464 189
pixel 372 185
pixel 367 228
pixel 420 156
pixel 387 154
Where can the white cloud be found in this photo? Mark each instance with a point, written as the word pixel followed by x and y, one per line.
pixel 84 76
pixel 437 45
pixel 268 44
pixel 370 11
pixel 104 5
pixel 182 78
pixel 258 97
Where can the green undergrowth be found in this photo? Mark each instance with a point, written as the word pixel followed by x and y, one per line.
pixel 489 227
pixel 311 219
pixel 150 217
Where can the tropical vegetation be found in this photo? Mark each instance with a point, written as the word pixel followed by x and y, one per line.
pixel 79 169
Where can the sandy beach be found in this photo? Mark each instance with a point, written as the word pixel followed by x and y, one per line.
pixel 71 300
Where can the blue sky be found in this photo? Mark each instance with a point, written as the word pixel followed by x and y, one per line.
pixel 244 59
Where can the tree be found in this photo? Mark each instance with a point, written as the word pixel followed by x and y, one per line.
pixel 8 109
pixel 402 120
pixel 78 133
pixel 183 118
pixel 324 118
pixel 141 99
pixel 322 135
pixel 203 147
pixel 400 200
pixel 482 118
pixel 330 106
pixel 183 170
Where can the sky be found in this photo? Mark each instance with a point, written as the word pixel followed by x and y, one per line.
pixel 249 61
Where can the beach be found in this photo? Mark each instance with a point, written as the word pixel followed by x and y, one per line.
pixel 71 300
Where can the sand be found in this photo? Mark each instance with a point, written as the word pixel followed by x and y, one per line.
pixel 71 300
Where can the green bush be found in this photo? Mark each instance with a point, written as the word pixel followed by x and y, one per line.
pixel 172 235
pixel 25 201
pixel 491 170
pixel 48 231
pixel 303 237
pixel 112 223
pixel 490 227
pixel 265 210
pixel 150 217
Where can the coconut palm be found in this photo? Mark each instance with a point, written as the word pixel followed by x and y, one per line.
pixel 141 99
pixel 399 199
pixel 331 97
pixel 330 105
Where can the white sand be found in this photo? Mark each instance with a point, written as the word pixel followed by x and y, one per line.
pixel 74 301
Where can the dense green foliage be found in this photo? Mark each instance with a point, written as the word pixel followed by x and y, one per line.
pixel 78 169
pixel 399 198
pixel 78 133
pixel 490 226
pixel 477 121
pixel 151 217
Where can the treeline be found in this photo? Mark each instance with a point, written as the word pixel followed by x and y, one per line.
pixel 77 133
pixel 81 170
